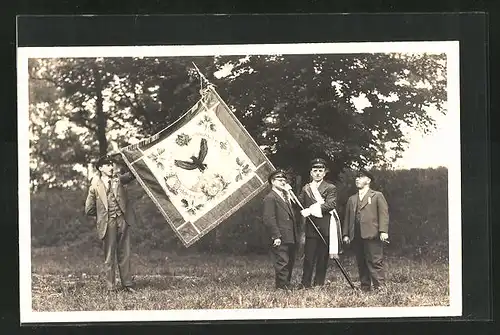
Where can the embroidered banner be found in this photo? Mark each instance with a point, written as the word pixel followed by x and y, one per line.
pixel 201 169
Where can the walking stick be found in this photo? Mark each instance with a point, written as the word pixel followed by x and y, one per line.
pixel 344 272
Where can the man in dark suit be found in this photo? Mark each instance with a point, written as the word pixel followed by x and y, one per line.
pixel 279 218
pixel 319 199
pixel 366 225
pixel 108 202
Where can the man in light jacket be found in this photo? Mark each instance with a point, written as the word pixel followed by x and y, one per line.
pixel 108 203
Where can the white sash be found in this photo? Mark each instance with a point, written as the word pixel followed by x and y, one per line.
pixel 333 243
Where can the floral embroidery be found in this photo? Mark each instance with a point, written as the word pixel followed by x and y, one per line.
pixel 182 139
pixel 190 206
pixel 243 169
pixel 207 122
pixel 158 158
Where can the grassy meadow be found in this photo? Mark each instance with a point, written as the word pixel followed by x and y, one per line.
pixel 63 280
pixel 229 268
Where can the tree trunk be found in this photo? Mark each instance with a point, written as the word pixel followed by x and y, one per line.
pixel 99 115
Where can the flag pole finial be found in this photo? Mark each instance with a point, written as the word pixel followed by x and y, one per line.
pixel 203 80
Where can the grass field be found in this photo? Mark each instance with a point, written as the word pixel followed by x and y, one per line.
pixel 65 280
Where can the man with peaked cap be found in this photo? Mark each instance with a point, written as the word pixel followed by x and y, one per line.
pixel 366 226
pixel 280 220
pixel 108 202
pixel 319 199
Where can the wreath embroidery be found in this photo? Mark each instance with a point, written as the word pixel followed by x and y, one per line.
pixel 211 185
pixel 215 187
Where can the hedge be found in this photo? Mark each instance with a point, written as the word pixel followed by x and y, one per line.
pixel 418 208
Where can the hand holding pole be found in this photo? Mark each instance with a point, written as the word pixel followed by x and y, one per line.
pixel 288 188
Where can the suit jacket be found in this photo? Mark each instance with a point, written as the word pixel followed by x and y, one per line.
pixel 96 204
pixel 280 219
pixel 374 215
pixel 328 192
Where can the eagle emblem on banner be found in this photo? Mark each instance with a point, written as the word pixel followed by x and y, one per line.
pixel 201 169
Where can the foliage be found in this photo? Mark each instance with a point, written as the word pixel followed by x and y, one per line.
pixel 304 106
pixel 295 106
pixel 101 100
pixel 418 207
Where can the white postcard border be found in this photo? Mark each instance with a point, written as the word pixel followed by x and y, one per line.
pixel 451 48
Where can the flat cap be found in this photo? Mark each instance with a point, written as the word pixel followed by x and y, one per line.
pixel 109 158
pixel 279 173
pixel 318 163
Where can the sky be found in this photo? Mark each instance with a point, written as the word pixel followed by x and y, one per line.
pixel 428 150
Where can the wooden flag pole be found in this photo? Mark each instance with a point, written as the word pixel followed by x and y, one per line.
pixel 202 78
pixel 344 272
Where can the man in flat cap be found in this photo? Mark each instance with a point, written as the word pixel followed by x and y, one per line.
pixel 366 226
pixel 319 198
pixel 280 220
pixel 108 202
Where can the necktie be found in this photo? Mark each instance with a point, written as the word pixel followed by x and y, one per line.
pixel 285 196
pixel 108 185
pixel 287 200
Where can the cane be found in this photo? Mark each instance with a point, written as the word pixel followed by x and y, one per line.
pixel 344 272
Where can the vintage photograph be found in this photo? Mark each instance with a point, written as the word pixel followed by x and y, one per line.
pixel 239 182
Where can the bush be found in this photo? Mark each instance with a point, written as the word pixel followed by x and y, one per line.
pixel 418 208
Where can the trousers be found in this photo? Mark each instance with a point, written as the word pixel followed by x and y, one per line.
pixel 283 258
pixel 117 252
pixel 315 255
pixel 369 257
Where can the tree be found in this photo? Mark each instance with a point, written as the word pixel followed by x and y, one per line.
pixel 101 100
pixel 300 106
pixel 294 106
